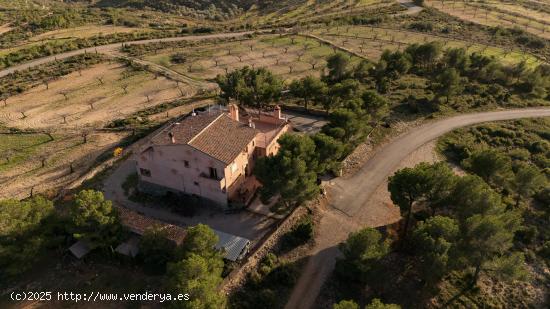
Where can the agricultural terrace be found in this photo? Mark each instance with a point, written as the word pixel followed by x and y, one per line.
pixel 53 131
pixel 96 95
pixel 84 31
pixel 290 57
pixel 372 41
pixel 313 10
pixel 531 16
pixel 38 162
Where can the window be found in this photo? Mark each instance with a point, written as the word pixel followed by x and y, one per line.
pixel 145 172
pixel 213 173
pixel 185 163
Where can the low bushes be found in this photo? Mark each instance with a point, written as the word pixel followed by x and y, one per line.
pixel 300 234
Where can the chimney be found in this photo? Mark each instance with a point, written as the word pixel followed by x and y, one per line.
pixel 172 138
pixel 277 112
pixel 234 112
pixel 250 123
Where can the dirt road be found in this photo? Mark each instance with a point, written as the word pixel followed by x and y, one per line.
pixel 113 47
pixel 410 6
pixel 350 198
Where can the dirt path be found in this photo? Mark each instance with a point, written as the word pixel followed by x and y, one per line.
pixel 361 200
pixel 108 49
pixel 410 6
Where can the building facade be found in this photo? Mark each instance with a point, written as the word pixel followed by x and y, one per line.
pixel 210 155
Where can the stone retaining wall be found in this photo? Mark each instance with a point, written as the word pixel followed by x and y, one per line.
pixel 237 278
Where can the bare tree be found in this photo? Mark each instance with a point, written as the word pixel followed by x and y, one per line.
pixel 216 61
pixel 5 99
pixel 43 159
pixel 65 94
pixel 148 96
pixel 64 116
pixel 85 135
pixel 8 154
pixel 300 55
pixel 23 114
pixel 240 58
pixel 290 69
pixel 100 80
pixel 313 63
pixel 46 83
pixel 286 50
pixel 183 93
pixel 293 40
pixel 125 88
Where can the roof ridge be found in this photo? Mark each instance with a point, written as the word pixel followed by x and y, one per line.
pixel 204 129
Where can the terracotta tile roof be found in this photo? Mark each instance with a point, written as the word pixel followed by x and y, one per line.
pixel 214 133
pixel 224 139
pixel 185 130
pixel 138 224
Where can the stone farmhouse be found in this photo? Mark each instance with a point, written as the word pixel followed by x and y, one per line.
pixel 211 155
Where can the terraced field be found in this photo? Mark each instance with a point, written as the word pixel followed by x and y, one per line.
pixel 372 41
pixel 61 123
pixel 305 11
pixel 531 16
pixel 290 57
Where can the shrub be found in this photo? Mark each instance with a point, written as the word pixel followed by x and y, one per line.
pixel 545 251
pixel 178 58
pixel 300 234
pixel 544 197
pixel 156 250
pixel 422 26
pixel 526 234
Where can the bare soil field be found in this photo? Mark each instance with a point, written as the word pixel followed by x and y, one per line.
pixel 65 114
pixel 371 42
pixel 498 13
pixel 311 9
pixel 288 57
pixel 59 155
pixel 84 31
pixel 92 99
